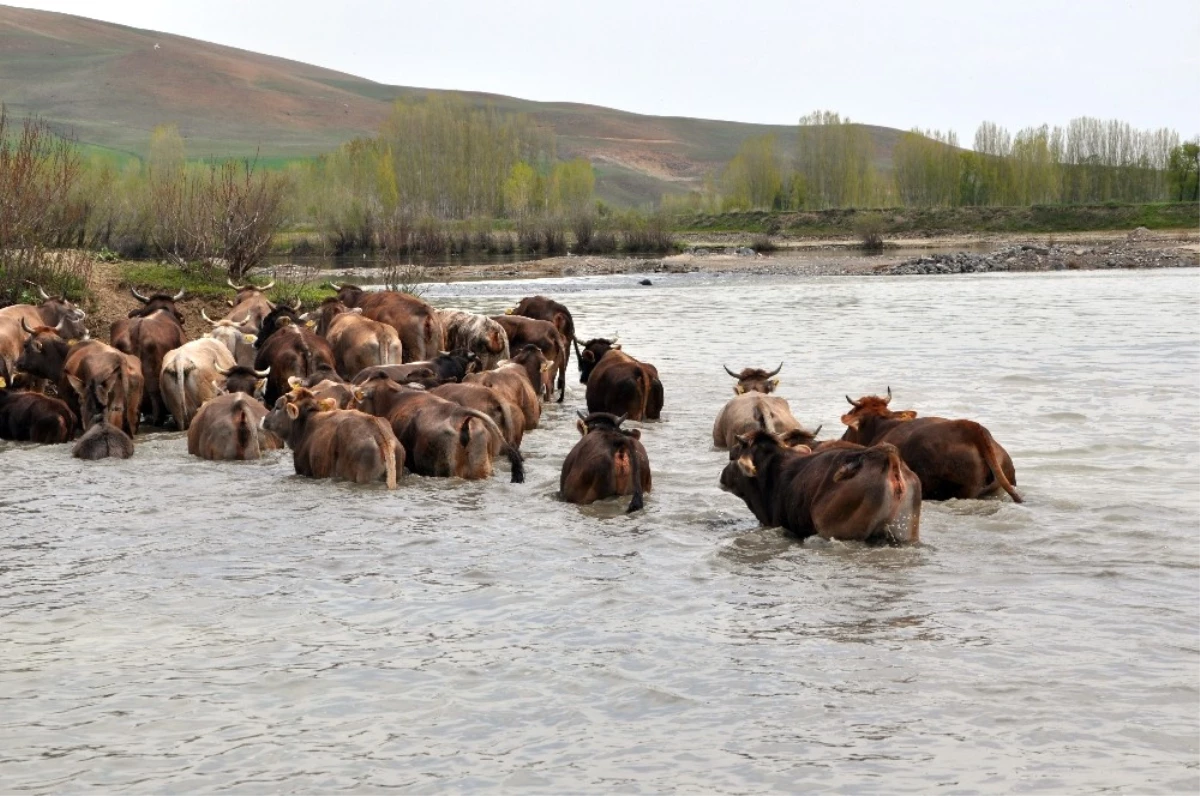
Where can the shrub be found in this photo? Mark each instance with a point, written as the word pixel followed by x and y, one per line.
pixel 869 229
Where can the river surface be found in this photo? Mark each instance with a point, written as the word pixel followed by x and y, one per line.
pixel 169 624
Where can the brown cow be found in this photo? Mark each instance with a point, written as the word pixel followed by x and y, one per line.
pixel 148 334
pixel 546 309
pixel 484 399
pixel 478 334
pixel 92 377
pixel 415 321
pixel 229 428
pixel 33 417
pixel 103 441
pixel 250 305
pixel 524 331
pixel 515 382
pixel 288 348
pixel 191 376
pixel 327 442
pixel 357 342
pixel 617 383
pixel 57 313
pixel 843 491
pixel 440 437
pixel 280 424
pixel 607 461
pixel 238 335
pixel 953 458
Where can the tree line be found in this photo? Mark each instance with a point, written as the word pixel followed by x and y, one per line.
pixel 832 163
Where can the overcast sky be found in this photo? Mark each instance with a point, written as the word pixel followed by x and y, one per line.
pixel 927 63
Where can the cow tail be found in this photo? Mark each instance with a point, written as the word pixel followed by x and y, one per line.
pixel 646 387
pixel 246 438
pixel 181 385
pixel 563 358
pixel 432 337
pixel 987 449
pixel 635 472
pixel 390 443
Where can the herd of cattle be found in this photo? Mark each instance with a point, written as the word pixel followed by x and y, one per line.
pixel 370 383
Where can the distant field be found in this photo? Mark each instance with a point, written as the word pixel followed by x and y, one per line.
pixel 109 86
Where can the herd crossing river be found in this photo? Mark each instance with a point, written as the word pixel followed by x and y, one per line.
pixel 175 624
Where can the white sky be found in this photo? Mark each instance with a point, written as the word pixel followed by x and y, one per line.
pixel 946 64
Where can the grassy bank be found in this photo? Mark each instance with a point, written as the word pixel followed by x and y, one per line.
pixel 210 283
pixel 928 222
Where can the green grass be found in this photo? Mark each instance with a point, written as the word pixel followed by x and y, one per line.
pixel 209 283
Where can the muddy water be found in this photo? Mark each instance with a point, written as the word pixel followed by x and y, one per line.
pixel 168 624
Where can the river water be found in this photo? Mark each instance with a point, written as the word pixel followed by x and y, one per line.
pixel 169 624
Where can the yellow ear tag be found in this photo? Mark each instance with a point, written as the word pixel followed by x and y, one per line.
pixel 3 383
pixel 249 338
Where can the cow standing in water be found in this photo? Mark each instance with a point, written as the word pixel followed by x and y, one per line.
pixel 953 458
pixel 414 320
pixel 103 441
pixel 753 407
pixel 843 491
pixel 149 333
pixel 617 383
pixel 606 462
pixel 547 309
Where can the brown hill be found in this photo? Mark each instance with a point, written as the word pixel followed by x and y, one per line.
pixel 110 85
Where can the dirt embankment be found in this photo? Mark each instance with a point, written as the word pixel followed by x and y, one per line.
pixel 110 300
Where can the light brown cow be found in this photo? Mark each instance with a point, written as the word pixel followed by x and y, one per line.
pixel 481 398
pixel 359 342
pixel 55 312
pixel 524 331
pixel 191 376
pixel 754 410
pixel 251 305
pixel 229 428
pixel 238 335
pixel 415 321
pixel 513 383
pixel 327 442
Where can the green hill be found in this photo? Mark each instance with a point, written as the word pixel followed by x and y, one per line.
pixel 110 85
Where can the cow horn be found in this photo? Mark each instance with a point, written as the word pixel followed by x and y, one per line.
pixel 262 374
pixel 59 326
pixel 179 296
pixel 730 372
pixel 224 371
pixel 79 314
pixel 268 286
pixel 582 414
pixel 889 398
pixel 852 401
pixel 25 326
pixel 776 371
pixel 297 305
pixel 818 431
pixel 229 282
pixel 41 290
pixel 622 419
pixel 204 315
pixel 139 296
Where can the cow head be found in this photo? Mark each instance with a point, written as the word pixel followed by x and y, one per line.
pixel 348 294
pixel 868 412
pixel 103 397
pixel 248 291
pixel 278 318
pixel 61 314
pixel 603 421
pixel 238 336
pixel 156 302
pixel 593 351
pixel 44 352
pixel 755 380
pixel 539 369
pixel 243 379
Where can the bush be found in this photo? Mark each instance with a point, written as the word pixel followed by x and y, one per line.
pixel 869 229
pixel 763 243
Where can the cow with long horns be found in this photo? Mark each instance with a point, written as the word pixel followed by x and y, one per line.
pixel 753 407
pixel 237 334
pixel 191 376
pixel 250 305
pixel 55 312
pixel 953 458
pixel 607 461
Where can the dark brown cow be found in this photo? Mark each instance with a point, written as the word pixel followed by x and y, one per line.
pixel 229 428
pixel 421 373
pixel 415 321
pixel 149 333
pixel 524 331
pixel 755 380
pixel 607 461
pixel 447 367
pixel 546 309
pixel 953 458
pixel 617 383
pixel 250 306
pixel 33 417
pixel 440 437
pixel 57 313
pixel 103 441
pixel 240 378
pixel 515 382
pixel 484 399
pixel 327 442
pixel 289 348
pixel 479 334
pixel 843 491
pixel 92 377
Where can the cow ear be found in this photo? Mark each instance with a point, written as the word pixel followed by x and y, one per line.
pixel 359 394
pixel 260 387
pixel 636 433
pixel 849 469
pixel 579 424
pixel 907 414
pixel 546 366
pixel 616 347
pixel 850 420
pixel 327 404
pixel 293 410
pixel 588 356
pixel 745 438
pixel 295 382
pixel 746 465
pixel 773 384
pixel 739 389
pixel 802 449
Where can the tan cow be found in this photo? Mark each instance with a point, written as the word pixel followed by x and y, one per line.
pixel 191 376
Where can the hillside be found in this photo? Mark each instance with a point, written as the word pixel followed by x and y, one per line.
pixel 110 85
